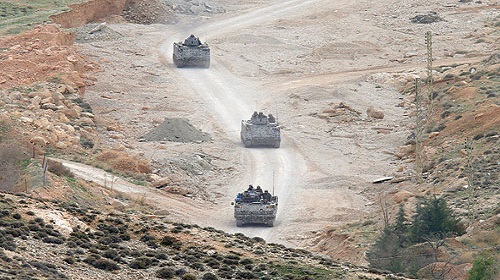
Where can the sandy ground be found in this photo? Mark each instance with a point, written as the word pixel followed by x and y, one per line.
pixel 296 59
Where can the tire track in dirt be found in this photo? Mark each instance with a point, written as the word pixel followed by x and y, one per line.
pixel 231 99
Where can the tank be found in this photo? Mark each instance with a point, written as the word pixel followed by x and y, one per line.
pixel 260 130
pixel 191 53
pixel 255 206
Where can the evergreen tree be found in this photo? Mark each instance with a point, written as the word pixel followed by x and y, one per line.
pixel 401 227
pixel 385 253
pixel 433 219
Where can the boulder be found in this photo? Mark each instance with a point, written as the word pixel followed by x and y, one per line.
pixel 374 113
pixel 42 123
pixel 36 100
pixel 39 141
pixel 433 134
pixel 402 196
pixel 26 120
pixel 404 151
pixel 71 113
pixel 49 106
pixel 61 145
pixel 86 121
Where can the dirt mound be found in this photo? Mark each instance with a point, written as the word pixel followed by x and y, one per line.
pixel 176 130
pixel 95 32
pixel 147 12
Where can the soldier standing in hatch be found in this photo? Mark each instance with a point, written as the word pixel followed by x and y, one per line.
pixel 266 196
pixel 258 190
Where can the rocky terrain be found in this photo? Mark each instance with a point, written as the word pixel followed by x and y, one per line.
pixel 98 93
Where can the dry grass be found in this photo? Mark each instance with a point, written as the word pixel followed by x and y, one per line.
pixel 124 163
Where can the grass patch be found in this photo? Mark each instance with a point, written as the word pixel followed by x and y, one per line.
pixel 20 15
pixel 298 271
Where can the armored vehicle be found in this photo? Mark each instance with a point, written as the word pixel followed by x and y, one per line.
pixel 191 53
pixel 255 206
pixel 260 130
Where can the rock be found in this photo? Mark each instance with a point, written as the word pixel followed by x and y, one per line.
pixel 404 151
pixel 47 100
pixel 374 113
pixel 63 118
pixel 118 205
pixel 42 123
pixel 26 120
pixel 39 141
pixel 402 196
pixel 85 120
pixel 433 134
pixel 162 183
pixel 71 113
pixel 61 145
pixel 87 114
pixel 36 100
pixel 44 93
pixel 162 212
pixel 115 135
pixel 58 98
pixel 74 140
pixel 410 54
pixel 49 106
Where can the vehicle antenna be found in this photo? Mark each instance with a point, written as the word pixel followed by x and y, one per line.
pixel 273 182
pixel 277 115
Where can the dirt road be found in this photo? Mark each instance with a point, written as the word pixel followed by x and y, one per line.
pixel 297 60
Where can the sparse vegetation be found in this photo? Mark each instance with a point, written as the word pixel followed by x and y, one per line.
pixel 406 247
pixel 484 267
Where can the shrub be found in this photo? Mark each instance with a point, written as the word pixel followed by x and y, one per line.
pixel 105 264
pixel 188 276
pixel 59 169
pixel 209 276
pixel 146 238
pixel 170 241
pixel 69 260
pixel 165 273
pixel 111 254
pixel 141 263
pixel 246 261
pixel 484 267
pixel 53 240
pixel 197 266
pixel 12 155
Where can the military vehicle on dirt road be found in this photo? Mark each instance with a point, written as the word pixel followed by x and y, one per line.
pixel 191 53
pixel 255 206
pixel 260 130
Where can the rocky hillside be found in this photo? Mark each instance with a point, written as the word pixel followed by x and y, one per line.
pixel 63 240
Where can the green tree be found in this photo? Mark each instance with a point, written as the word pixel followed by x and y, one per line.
pixel 401 227
pixel 433 219
pixel 484 267
pixel 386 252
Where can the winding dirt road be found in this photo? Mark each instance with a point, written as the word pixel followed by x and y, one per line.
pixel 290 58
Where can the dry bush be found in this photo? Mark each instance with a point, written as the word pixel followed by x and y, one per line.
pixel 122 162
pixel 59 169
pixel 11 157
